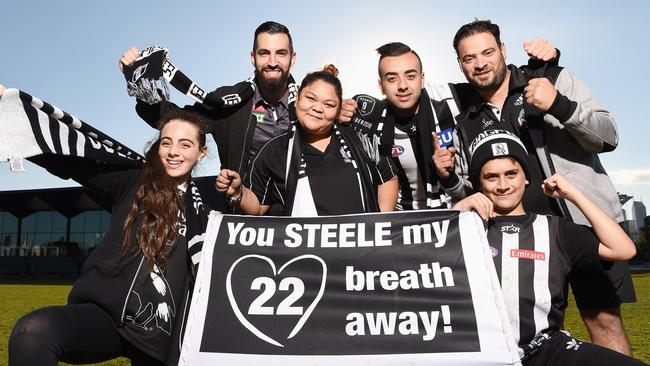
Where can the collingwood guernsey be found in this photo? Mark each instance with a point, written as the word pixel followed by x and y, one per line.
pixel 533 254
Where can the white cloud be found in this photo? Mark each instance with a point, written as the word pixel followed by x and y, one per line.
pixel 630 176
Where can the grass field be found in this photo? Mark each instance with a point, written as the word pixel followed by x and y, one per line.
pixel 19 298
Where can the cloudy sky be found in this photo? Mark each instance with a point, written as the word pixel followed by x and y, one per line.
pixel 66 52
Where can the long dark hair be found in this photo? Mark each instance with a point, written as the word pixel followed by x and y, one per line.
pixel 157 204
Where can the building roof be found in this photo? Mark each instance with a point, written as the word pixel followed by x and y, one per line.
pixel 72 201
pixel 69 201
pixel 623 198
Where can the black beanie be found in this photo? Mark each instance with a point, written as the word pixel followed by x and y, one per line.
pixel 492 144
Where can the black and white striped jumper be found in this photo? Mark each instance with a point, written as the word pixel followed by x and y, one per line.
pixel 533 254
pixel 409 143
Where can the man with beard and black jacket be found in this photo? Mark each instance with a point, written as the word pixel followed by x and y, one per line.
pixel 255 110
pixel 564 129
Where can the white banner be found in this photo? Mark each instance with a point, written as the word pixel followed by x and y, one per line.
pixel 403 288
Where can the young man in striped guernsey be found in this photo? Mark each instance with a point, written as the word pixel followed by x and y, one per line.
pixel 401 125
pixel 533 253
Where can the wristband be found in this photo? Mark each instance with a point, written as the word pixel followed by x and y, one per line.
pixel 235 200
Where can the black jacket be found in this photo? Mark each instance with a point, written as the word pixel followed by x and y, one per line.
pixel 119 282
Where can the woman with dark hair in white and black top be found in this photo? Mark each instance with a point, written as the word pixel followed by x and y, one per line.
pixel 318 168
pixel 132 296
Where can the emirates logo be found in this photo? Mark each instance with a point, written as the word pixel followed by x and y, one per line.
pixel 527 254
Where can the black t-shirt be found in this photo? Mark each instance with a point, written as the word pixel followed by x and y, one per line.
pixel 334 184
pixel 333 181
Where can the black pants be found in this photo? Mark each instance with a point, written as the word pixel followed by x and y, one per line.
pixel 75 333
pixel 562 349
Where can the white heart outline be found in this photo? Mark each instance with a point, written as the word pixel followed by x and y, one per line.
pixel 253 329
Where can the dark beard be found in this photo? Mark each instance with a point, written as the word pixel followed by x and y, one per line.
pixel 272 86
pixel 500 76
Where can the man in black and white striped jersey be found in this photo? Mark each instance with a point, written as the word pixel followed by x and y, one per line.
pixel 534 253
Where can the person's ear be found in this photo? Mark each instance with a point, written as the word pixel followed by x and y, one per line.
pixel 381 87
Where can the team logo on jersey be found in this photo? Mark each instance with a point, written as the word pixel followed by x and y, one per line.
pixel 396 151
pixel 365 104
pixel 258 112
pixel 527 254
pixel 486 122
pixel 500 149
pixel 520 100
pixel 510 229
pixel 445 137
pixel 494 251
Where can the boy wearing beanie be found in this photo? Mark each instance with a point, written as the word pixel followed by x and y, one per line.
pixel 533 253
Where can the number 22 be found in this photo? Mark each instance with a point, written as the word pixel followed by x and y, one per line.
pixel 286 306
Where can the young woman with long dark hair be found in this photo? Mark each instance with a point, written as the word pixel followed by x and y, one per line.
pixel 132 296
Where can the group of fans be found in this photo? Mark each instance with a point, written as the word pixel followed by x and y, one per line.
pixel 518 145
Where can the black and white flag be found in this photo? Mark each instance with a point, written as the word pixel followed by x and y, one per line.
pixel 404 288
pixel 34 129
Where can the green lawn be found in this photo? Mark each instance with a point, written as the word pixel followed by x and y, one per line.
pixel 636 318
pixel 19 298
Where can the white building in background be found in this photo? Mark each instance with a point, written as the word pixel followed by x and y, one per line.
pixel 634 213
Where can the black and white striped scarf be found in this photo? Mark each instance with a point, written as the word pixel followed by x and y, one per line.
pixel 31 127
pixel 150 72
pixel 375 126
pixel 196 222
pixel 146 80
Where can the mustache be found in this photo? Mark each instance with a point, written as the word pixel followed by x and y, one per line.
pixel 482 69
pixel 273 68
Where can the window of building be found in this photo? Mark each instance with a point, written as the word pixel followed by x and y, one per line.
pixel 43 233
pixel 87 229
pixel 8 233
